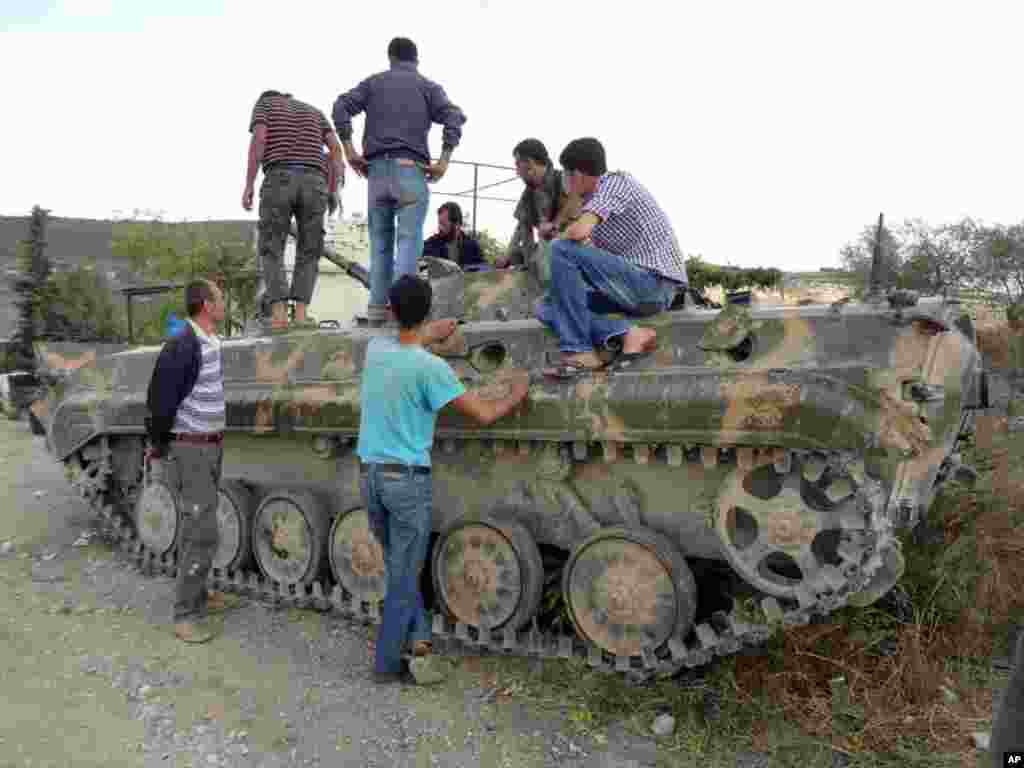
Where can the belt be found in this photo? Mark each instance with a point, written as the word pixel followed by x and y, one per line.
pixel 399 159
pixel 404 468
pixel 199 437
pixel 294 167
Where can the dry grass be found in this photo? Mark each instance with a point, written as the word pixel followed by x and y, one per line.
pixel 899 699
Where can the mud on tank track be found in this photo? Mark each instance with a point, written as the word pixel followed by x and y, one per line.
pixel 749 623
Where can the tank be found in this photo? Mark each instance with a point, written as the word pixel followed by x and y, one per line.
pixel 752 474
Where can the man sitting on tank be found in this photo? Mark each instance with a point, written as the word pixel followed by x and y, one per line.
pixel 545 205
pixel 634 267
pixel 451 241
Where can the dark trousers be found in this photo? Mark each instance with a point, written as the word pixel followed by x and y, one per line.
pixel 192 471
pixel 288 192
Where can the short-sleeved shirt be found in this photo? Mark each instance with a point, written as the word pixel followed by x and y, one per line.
pixel 404 386
pixel 634 226
pixel 296 132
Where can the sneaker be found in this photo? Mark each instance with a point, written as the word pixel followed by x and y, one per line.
pixel 391 678
pixel 194 632
pixel 428 670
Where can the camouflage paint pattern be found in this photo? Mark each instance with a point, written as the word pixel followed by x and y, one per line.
pixel 790 435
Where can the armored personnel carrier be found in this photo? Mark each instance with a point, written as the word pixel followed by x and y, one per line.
pixel 751 474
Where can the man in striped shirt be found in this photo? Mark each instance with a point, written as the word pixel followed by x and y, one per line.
pixel 288 138
pixel 186 428
pixel 634 267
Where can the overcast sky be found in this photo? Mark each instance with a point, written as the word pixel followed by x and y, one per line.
pixel 770 132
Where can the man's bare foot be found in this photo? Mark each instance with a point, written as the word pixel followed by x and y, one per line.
pixel 438 330
pixel 638 340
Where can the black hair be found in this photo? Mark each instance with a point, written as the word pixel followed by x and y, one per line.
pixel 268 94
pixel 196 294
pixel 532 149
pixel 584 155
pixel 410 297
pixel 403 49
pixel 454 213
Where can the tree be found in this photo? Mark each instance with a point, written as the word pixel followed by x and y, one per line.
pixel 703 275
pixel 179 252
pixel 31 285
pixel 856 257
pixel 490 246
pixel 940 259
pixel 80 306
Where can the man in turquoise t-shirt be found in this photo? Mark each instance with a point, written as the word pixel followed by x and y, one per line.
pixel 403 388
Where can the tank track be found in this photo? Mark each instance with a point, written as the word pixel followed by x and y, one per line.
pixel 723 635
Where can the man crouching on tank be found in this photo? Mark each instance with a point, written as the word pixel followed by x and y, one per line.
pixel 403 388
pixel 186 431
pixel 634 267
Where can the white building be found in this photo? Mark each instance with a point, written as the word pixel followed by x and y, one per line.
pixel 337 296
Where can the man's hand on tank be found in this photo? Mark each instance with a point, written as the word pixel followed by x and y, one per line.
pixel 519 385
pixel 438 330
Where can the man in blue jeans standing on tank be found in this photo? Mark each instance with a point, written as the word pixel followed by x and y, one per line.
pixel 403 388
pixel 400 105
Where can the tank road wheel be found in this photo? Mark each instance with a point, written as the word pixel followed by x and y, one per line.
pixel 158 517
pixel 289 538
pixel 627 588
pixel 489 570
pixel 357 558
pixel 234 525
pixel 784 532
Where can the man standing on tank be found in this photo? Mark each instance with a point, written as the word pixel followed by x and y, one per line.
pixel 186 429
pixel 400 106
pixel 403 388
pixel 288 139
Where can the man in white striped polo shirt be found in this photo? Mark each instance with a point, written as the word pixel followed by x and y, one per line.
pixel 186 429
pixel 634 266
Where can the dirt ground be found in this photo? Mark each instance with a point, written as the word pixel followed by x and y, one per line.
pixel 94 677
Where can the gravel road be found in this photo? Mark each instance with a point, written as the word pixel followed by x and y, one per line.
pixel 94 676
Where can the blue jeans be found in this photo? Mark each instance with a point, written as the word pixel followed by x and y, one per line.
pixel 397 191
pixel 587 284
pixel 400 507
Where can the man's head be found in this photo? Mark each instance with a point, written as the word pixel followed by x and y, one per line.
pixel 449 219
pixel 410 298
pixel 403 49
pixel 584 163
pixel 532 161
pixel 204 302
pixel 268 94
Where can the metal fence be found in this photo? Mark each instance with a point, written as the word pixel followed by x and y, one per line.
pixel 474 191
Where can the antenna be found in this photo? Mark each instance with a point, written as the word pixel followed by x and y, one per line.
pixel 875 281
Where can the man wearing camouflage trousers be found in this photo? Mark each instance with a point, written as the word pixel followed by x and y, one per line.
pixel 186 429
pixel 288 138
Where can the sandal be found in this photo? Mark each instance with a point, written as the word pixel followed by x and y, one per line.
pixel 572 370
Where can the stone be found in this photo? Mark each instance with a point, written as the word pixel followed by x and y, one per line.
pixel 663 726
pixel 981 739
pixel 7 548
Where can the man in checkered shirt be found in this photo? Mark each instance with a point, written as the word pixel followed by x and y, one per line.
pixel 633 264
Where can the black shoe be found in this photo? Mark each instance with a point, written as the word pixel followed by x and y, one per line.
pixel 389 678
